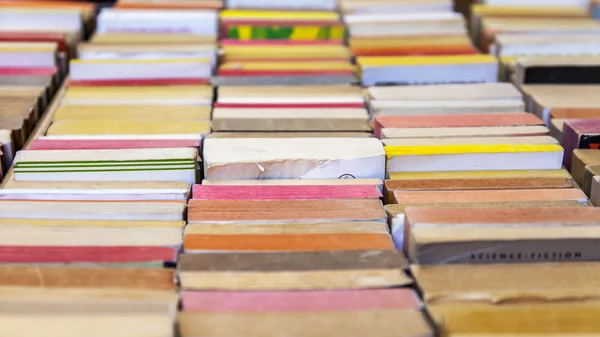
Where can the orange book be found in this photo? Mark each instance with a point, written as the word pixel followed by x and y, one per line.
pixel 429 197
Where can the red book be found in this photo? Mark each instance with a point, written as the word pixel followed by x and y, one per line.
pixel 8 71
pixel 28 254
pixel 285 192
pixel 82 144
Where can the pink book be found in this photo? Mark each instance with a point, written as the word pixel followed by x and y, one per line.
pixel 459 120
pixel 326 300
pixel 82 254
pixel 81 144
pixel 285 192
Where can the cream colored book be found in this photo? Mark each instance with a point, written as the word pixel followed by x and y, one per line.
pixel 289 94
pixel 110 129
pixel 78 233
pixel 176 164
pixel 446 92
pixel 324 119
pixel 431 107
pixel 132 112
pixel 201 95
pixel 305 158
pixel 94 190
pixel 90 210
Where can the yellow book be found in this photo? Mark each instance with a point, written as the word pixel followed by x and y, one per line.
pixel 482 174
pixel 401 42
pixel 292 51
pixel 321 65
pixel 30 47
pixel 174 91
pixel 140 112
pixel 133 38
pixel 393 151
pixel 230 14
pixel 485 10
pixel 87 223
pixel 125 127
pixel 385 61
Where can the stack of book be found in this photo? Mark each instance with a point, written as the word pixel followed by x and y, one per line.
pixel 37 38
pixel 409 42
pixel 511 29
pixel 278 217
pixel 303 47
pixel 96 204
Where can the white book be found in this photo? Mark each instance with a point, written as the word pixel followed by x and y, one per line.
pixel 140 69
pixel 89 210
pixel 476 158
pixel 293 158
pixel 432 107
pixel 27 55
pixel 316 5
pixel 201 22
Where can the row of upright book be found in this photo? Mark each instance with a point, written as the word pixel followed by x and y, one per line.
pixel 299 168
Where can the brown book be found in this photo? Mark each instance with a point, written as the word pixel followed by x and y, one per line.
pixel 349 323
pixel 451 235
pixel 506 283
pixel 86 277
pixel 556 319
pixel 581 159
pixel 293 270
pixel 424 197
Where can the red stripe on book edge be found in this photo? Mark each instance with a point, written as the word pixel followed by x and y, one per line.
pixel 226 23
pixel 83 144
pixel 34 37
pixel 137 82
pixel 288 105
pixel 285 192
pixel 6 71
pixel 31 254
pixel 279 60
pixel 236 72
pixel 228 42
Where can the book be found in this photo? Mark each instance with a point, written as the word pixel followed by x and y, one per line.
pixel 500 235
pixel 306 301
pixel 473 157
pixel 292 270
pixel 325 119
pixel 527 282
pixel 115 165
pixel 580 160
pixel 440 69
pixel 257 211
pixel 579 134
pixel 285 192
pixel 286 237
pixel 335 323
pixel 94 190
pixel 307 158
